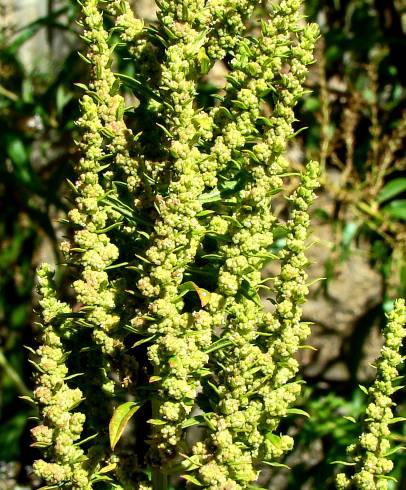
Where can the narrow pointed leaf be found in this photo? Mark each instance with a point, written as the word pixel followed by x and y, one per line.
pixel 122 414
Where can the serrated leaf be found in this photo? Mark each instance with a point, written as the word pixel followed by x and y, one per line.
pixel 121 416
pixel 192 479
pixel 392 189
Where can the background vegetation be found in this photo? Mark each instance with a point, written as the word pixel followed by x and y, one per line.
pixel 356 117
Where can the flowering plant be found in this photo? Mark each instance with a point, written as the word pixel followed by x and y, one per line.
pixel 172 222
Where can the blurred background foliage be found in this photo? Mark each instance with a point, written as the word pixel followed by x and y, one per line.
pixel 355 114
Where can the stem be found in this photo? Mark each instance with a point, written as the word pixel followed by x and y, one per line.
pixel 13 375
pixel 159 477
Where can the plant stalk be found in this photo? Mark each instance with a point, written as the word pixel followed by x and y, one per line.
pixel 159 477
pixel 13 375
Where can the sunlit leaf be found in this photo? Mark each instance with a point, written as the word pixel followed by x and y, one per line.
pixel 392 189
pixel 121 416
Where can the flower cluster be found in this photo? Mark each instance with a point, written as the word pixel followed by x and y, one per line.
pixel 105 138
pixel 254 375
pixel 173 222
pixel 369 455
pixel 178 352
pixel 104 134
pixel 60 427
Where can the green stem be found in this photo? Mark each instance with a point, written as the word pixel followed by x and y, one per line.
pixel 13 375
pixel 159 479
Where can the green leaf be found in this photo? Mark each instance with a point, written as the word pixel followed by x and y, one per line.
pixel 212 196
pixel 396 209
pixel 121 416
pixel 310 347
pixel 394 450
pixel 190 463
pixel 191 422
pixel 363 389
pixel 392 189
pixel 108 468
pixel 395 420
pixel 297 411
pixel 311 104
pixel 204 296
pixel 192 479
pixel 28 31
pixel 139 87
pixel 28 399
pixel 143 341
pixel 274 464
pixel 386 477
pixel 349 232
pixel 345 463
pixel 250 292
pixel 275 439
pixel 203 60
pixel 205 212
pixel 218 344
pixel 156 422
pixel 351 419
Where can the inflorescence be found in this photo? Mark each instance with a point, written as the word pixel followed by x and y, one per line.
pixel 172 223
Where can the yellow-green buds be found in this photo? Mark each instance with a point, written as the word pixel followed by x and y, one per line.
pixel 173 221
pixel 370 454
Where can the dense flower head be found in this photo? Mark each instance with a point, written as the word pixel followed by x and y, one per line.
pixel 172 223
pixel 369 454
pixel 60 427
